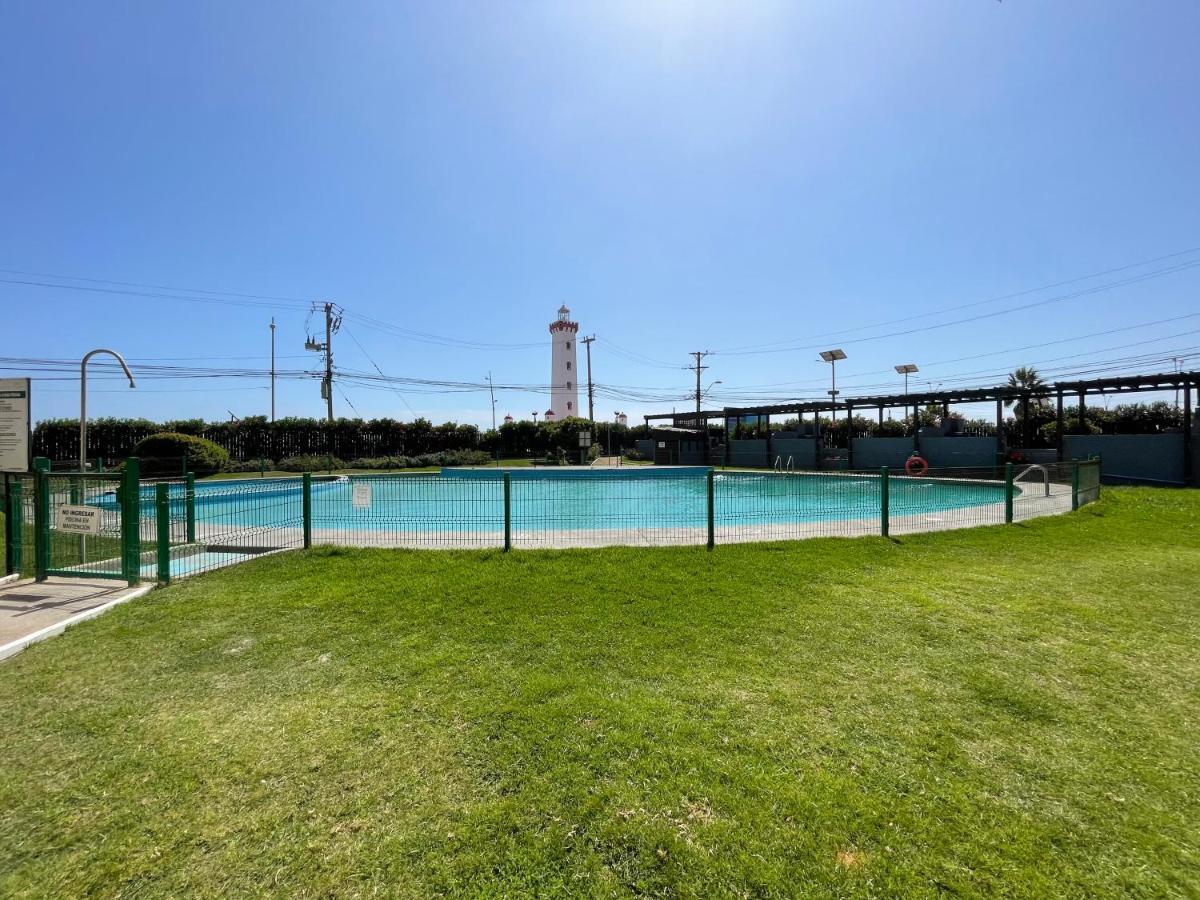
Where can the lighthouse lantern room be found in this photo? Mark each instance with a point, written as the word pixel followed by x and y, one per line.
pixel 564 375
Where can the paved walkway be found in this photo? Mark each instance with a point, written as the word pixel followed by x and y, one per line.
pixel 30 611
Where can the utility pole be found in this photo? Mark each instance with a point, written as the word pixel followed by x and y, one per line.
pixel 697 368
pixel 587 342
pixel 700 430
pixel 272 368
pixel 333 321
pixel 329 362
pixel 492 392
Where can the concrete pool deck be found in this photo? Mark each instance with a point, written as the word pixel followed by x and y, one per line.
pixel 32 611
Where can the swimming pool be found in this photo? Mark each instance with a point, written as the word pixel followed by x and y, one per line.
pixel 472 502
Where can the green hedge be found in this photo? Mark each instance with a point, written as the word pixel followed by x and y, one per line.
pixel 165 453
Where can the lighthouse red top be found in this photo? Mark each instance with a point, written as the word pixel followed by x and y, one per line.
pixel 563 322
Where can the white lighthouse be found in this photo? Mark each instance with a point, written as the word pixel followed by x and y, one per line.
pixel 564 374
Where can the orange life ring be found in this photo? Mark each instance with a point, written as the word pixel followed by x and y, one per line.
pixel 918 463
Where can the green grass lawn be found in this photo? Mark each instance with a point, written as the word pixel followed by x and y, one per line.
pixel 1007 710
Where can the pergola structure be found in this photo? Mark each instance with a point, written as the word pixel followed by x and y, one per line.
pixel 914 401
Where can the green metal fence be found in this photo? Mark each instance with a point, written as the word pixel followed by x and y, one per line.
pixel 1085 483
pixel 170 527
pixel 39 540
pixel 237 520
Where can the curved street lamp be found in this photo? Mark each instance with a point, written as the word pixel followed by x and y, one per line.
pixel 83 398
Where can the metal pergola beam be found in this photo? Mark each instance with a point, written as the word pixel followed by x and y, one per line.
pixel 1092 387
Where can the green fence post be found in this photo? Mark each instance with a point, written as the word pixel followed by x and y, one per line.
pixel 8 526
pixel 41 517
pixel 712 517
pixel 262 467
pixel 307 509
pixel 189 503
pixel 131 520
pixel 14 523
pixel 1008 493
pixel 884 499
pixel 1074 485
pixel 162 516
pixel 507 511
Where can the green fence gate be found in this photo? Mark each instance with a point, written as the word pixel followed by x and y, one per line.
pixel 82 524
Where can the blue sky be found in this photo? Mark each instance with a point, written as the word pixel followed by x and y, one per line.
pixel 685 176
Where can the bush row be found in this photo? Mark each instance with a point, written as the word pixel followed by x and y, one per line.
pixel 318 463
pixel 423 460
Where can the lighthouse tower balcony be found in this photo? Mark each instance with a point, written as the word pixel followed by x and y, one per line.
pixel 563 323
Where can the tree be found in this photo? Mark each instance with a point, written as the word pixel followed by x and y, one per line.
pixel 1026 378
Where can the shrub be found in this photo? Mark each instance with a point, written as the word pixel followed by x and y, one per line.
pixel 164 453
pixel 1050 431
pixel 380 462
pixel 423 460
pixel 890 428
pixel 250 465
pixel 634 454
pixel 463 458
pixel 312 463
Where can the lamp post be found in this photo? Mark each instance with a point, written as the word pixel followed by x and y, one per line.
pixel 83 398
pixel 906 370
pixel 492 392
pixel 272 368
pixel 832 357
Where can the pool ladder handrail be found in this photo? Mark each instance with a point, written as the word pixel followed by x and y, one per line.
pixel 1040 468
pixel 790 467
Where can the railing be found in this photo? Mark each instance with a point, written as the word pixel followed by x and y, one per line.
pixel 184 527
pixel 1036 468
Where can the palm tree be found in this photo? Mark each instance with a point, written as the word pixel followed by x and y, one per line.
pixel 1027 379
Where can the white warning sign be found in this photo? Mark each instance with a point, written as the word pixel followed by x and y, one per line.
pixel 77 519
pixel 360 496
pixel 14 425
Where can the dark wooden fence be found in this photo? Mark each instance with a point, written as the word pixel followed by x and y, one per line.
pixel 346 439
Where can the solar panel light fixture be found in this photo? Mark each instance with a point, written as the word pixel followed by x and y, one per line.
pixel 832 357
pixel 906 370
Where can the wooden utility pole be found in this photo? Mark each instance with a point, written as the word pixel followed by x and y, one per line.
pixel 329 362
pixel 333 321
pixel 587 342
pixel 701 431
pixel 272 368
pixel 699 354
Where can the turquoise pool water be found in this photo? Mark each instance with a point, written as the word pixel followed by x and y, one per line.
pixel 546 499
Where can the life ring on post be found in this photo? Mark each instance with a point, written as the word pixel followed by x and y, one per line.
pixel 916 465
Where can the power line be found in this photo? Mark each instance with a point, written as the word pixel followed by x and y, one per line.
pixel 164 287
pixel 430 338
pixel 263 304
pixel 1012 296
pixel 1057 299
pixel 371 360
